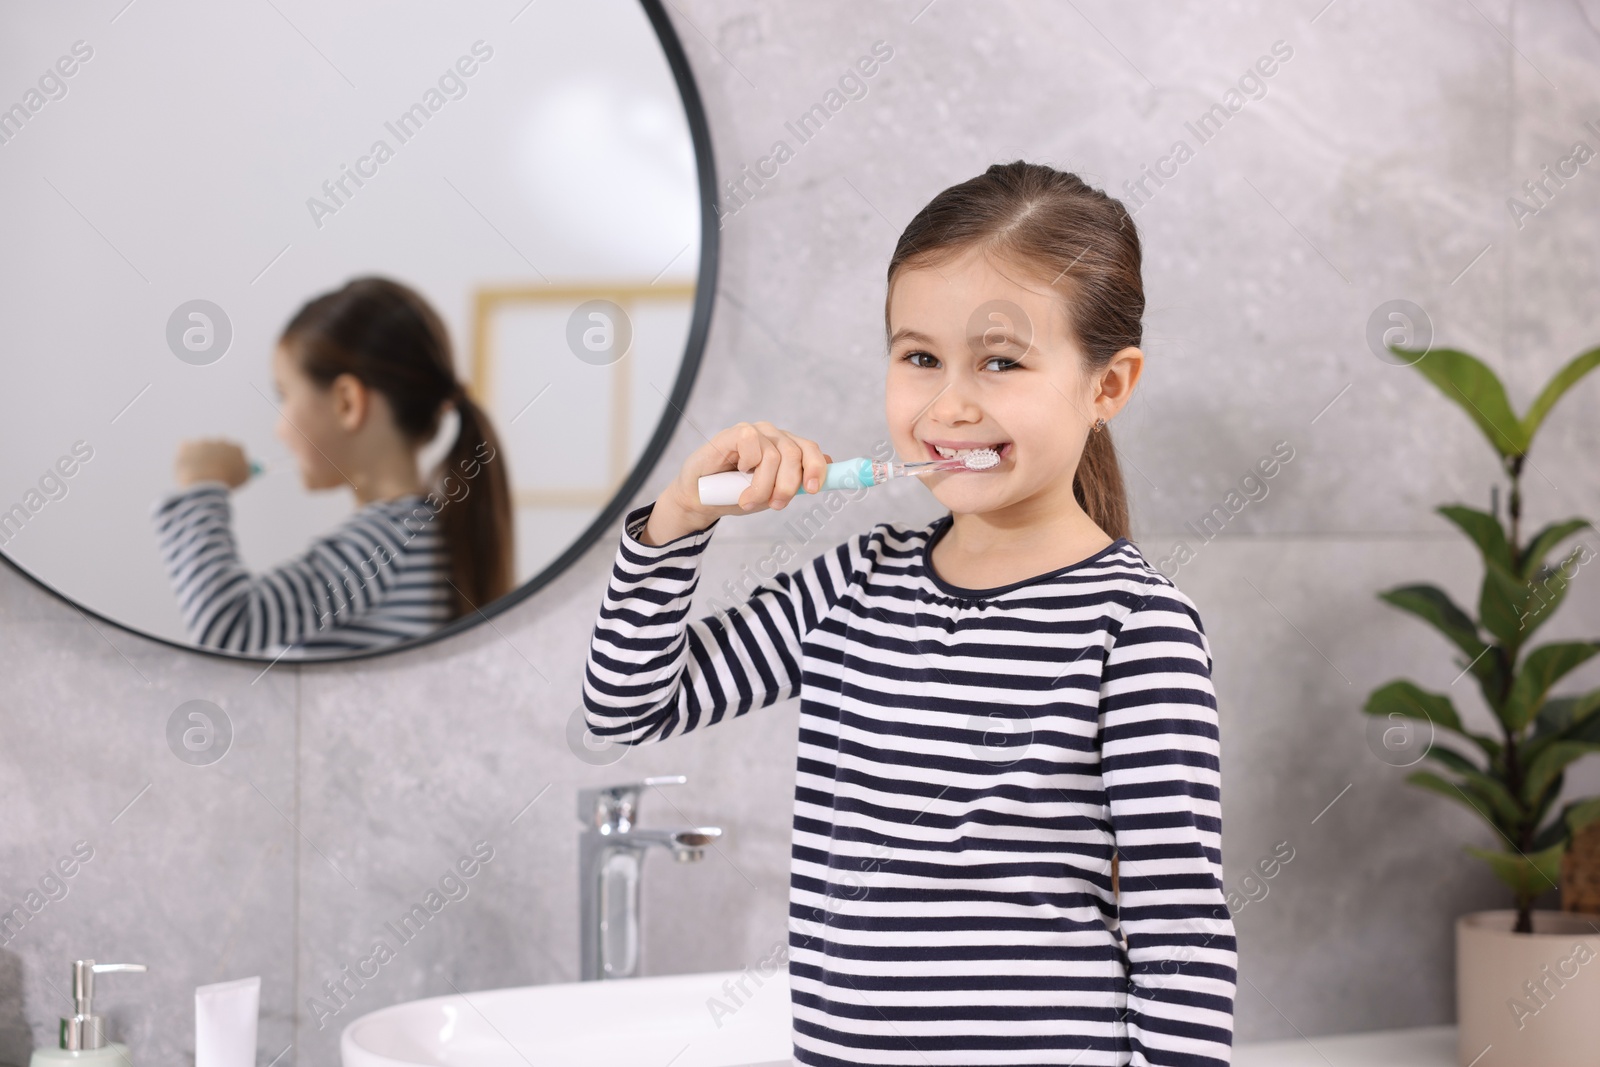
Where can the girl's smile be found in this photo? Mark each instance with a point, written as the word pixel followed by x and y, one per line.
pixel 942 449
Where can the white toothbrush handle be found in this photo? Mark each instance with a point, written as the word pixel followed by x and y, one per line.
pixel 722 490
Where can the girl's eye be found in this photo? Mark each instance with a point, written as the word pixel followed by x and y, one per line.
pixel 926 360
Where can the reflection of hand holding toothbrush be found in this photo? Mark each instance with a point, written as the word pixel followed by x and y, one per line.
pixel 753 466
pixel 215 460
pixel 211 460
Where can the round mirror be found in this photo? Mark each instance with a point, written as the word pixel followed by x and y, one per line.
pixel 263 257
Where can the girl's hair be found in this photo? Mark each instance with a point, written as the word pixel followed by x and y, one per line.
pixel 1053 226
pixel 388 336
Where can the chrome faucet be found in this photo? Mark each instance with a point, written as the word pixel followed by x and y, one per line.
pixel 611 854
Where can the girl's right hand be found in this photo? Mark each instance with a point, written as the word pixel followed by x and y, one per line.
pixel 778 462
pixel 211 459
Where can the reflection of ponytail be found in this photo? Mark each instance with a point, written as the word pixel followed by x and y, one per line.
pixel 388 337
pixel 474 499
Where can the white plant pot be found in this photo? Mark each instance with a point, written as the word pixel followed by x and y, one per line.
pixel 1528 1000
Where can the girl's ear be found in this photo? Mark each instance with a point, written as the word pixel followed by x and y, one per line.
pixel 1120 376
pixel 351 401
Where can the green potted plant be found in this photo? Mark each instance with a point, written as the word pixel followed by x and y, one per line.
pixel 1511 775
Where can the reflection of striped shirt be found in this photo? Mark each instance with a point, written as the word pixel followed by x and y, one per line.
pixel 380 577
pixel 969 761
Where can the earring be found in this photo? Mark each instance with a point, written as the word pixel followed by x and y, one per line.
pixel 1099 424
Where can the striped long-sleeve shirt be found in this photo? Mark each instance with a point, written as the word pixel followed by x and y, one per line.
pixel 969 763
pixel 379 577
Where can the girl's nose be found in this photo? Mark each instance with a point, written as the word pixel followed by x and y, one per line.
pixel 953 405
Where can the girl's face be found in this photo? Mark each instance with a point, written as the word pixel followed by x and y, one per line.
pixel 309 423
pixel 981 356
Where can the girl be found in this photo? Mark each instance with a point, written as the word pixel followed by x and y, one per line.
pixel 1006 844
pixel 363 375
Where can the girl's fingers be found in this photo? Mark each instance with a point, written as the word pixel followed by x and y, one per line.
pixel 762 478
pixel 749 443
pixel 802 465
pixel 790 471
pixel 815 465
pixel 779 463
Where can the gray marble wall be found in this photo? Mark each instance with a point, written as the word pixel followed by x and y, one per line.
pixel 1376 166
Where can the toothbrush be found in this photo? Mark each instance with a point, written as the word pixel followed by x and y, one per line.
pixel 723 489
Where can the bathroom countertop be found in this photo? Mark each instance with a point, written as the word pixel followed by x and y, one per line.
pixel 1429 1046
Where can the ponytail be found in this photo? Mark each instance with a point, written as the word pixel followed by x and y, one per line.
pixel 1098 484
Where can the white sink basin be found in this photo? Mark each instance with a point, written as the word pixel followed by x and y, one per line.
pixel 649 1022
pixel 632 1022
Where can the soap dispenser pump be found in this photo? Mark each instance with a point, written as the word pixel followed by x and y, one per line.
pixel 83 1034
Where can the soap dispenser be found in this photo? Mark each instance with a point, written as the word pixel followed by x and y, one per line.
pixel 83 1034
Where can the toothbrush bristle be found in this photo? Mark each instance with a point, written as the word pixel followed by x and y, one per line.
pixel 981 460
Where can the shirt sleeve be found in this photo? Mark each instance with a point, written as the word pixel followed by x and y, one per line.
pixel 1160 764
pixel 652 673
pixel 342 575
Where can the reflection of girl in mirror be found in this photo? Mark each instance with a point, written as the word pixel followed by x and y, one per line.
pixel 363 375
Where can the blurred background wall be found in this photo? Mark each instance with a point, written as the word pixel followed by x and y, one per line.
pixel 1374 164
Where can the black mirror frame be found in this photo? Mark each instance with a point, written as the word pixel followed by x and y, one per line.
pixel 694 348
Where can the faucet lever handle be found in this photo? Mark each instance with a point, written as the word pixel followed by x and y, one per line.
pixel 620 802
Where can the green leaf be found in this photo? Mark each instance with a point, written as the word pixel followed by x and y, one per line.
pixel 1471 384
pixel 1574 817
pixel 1508 812
pixel 1527 875
pixel 1565 379
pixel 1580 813
pixel 1576 718
pixel 1548 801
pixel 1564 718
pixel 1401 697
pixel 1556 830
pixel 1513 608
pixel 1485 531
pixel 1488 797
pixel 1561 714
pixel 1544 541
pixel 1500 605
pixel 1446 788
pixel 1493 675
pixel 1543 772
pixel 1543 668
pixel 1549 585
pixel 1433 605
pixel 1452 759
